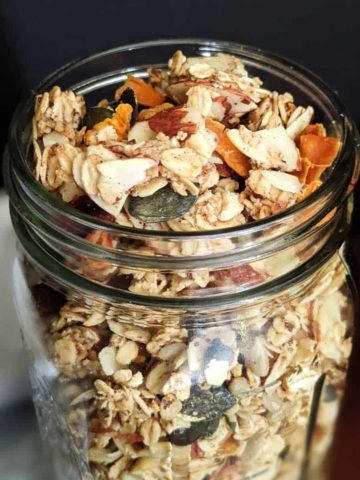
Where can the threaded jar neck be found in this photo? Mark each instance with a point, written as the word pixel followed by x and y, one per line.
pixel 278 248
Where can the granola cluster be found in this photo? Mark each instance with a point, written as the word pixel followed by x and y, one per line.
pixel 200 146
pixel 168 400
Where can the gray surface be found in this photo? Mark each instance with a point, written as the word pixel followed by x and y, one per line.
pixel 22 455
pixel 14 384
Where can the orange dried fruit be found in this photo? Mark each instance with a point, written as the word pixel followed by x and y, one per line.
pixel 319 150
pixel 227 151
pixel 315 129
pixel 120 121
pixel 146 95
pixel 150 112
pixel 308 190
pixel 314 173
pixel 305 167
pixel 100 238
pixel 95 268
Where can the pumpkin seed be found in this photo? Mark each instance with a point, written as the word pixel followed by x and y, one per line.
pixel 95 115
pixel 207 404
pixel 129 96
pixel 163 205
pixel 206 408
pixel 185 436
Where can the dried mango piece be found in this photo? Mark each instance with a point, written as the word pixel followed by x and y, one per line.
pixel 308 190
pixel 227 151
pixel 120 121
pixel 305 167
pixel 315 173
pixel 100 238
pixel 95 268
pixel 145 93
pixel 315 129
pixel 150 112
pixel 319 150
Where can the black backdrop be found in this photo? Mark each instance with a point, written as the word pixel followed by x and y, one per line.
pixel 38 36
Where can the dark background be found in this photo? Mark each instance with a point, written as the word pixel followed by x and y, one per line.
pixel 38 36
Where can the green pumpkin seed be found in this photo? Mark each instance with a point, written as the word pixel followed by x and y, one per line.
pixel 208 404
pixel 129 96
pixel 186 436
pixel 95 115
pixel 163 205
pixel 206 408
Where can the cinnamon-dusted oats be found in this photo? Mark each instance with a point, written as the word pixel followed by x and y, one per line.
pixel 58 111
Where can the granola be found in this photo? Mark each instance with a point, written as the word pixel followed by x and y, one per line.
pixel 173 401
pixel 199 147
pixel 206 119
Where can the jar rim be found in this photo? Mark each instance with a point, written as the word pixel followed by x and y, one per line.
pixel 71 281
pixel 340 174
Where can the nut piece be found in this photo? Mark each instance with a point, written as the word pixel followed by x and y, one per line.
pixel 107 360
pixel 217 372
pixel 269 148
pixel 179 384
pixel 172 121
pixel 65 351
pixel 184 162
pixel 127 353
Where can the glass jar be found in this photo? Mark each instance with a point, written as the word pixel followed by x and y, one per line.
pixel 215 355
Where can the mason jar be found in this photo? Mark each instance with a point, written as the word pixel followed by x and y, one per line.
pixel 204 355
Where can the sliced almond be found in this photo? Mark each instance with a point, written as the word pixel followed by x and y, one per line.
pixel 269 148
pixel 107 359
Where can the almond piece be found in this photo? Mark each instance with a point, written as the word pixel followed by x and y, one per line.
pixel 171 122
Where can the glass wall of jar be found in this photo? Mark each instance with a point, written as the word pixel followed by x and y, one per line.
pixel 185 354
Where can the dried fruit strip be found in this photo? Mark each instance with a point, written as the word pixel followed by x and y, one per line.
pixel 315 129
pixel 230 154
pixel 320 151
pixel 146 95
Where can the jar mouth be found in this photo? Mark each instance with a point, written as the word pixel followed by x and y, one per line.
pixel 337 181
